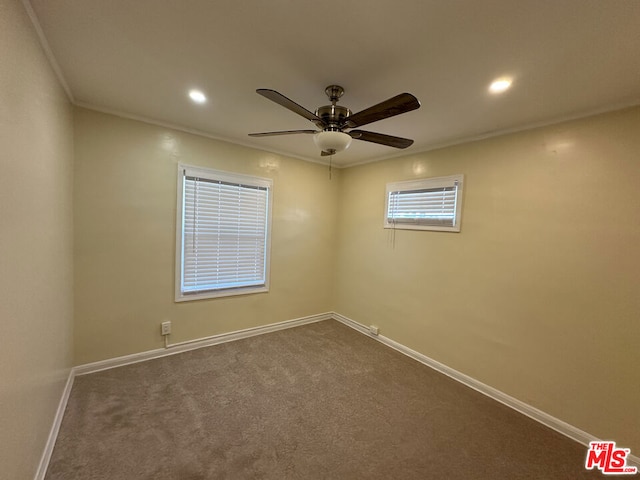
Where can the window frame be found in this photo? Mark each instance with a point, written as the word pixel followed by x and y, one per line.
pixel 426 183
pixel 229 177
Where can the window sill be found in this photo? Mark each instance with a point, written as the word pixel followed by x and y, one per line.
pixel 232 292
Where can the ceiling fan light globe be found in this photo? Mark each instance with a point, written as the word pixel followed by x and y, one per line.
pixel 332 141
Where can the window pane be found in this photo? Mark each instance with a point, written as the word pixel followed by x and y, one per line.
pixel 224 235
pixel 435 206
pixel 420 204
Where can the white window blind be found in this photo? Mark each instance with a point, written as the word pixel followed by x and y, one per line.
pixel 224 238
pixel 427 204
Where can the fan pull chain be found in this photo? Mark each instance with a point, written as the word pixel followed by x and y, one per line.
pixel 330 164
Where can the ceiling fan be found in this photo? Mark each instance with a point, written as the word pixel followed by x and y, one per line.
pixel 335 122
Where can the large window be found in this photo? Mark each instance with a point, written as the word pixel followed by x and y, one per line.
pixel 222 233
pixel 426 204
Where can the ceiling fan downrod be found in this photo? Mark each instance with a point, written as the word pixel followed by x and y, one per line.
pixel 333 116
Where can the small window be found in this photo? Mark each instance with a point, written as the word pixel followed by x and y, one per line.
pixel 222 236
pixel 427 204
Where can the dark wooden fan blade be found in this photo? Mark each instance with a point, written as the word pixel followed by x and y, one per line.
pixel 284 132
pixel 289 104
pixel 389 140
pixel 405 102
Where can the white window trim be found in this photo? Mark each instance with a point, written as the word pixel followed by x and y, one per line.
pixel 425 183
pixel 227 177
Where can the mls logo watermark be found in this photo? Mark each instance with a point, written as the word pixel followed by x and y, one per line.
pixel 609 459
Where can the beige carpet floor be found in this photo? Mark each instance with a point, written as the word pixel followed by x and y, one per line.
pixel 319 401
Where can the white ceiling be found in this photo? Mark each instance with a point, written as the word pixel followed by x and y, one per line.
pixel 139 58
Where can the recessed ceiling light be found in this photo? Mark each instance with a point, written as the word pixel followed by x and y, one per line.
pixel 500 85
pixel 197 96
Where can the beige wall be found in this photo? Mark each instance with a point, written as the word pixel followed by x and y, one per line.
pixel 539 294
pixel 125 216
pixel 36 282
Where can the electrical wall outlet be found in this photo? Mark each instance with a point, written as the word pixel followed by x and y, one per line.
pixel 166 328
pixel 373 330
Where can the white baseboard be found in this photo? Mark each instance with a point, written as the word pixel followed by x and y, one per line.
pixel 544 418
pixel 55 428
pixel 198 343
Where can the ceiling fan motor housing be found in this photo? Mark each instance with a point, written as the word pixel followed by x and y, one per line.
pixel 333 116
